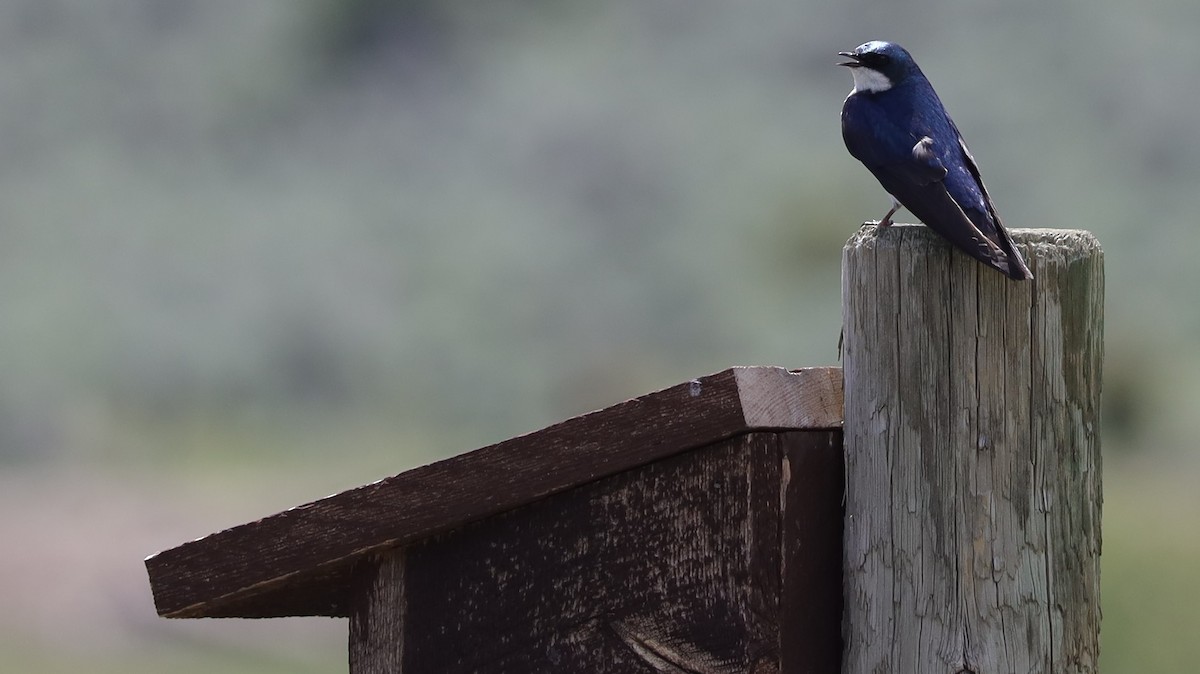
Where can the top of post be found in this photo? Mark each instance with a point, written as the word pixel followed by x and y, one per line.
pixel 1082 242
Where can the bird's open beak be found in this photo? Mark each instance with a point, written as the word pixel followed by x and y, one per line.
pixel 850 55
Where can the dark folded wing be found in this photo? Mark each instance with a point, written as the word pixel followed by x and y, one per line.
pixel 932 204
pixel 989 222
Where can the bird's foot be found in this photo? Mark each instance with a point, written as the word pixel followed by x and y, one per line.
pixel 886 220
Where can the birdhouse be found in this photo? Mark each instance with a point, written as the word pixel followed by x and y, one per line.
pixel 937 509
pixel 695 529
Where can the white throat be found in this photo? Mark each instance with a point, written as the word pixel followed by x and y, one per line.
pixel 870 81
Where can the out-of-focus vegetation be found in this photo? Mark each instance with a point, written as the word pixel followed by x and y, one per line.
pixel 256 252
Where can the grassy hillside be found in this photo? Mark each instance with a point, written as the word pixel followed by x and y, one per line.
pixel 257 252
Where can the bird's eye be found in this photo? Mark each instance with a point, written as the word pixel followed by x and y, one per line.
pixel 874 59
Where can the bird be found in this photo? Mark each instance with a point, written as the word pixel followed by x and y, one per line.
pixel 895 124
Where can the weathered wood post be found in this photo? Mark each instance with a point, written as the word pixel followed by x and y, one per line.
pixel 972 531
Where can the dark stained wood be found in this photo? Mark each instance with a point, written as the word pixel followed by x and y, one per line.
pixel 723 559
pixel 298 562
pixel 378 620
pixel 810 623
pixel 649 567
pixel 672 567
pixel 326 591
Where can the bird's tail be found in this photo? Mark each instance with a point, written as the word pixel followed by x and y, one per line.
pixel 1007 258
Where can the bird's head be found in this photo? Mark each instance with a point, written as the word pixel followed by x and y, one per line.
pixel 878 66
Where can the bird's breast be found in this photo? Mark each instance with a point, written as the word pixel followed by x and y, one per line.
pixel 876 131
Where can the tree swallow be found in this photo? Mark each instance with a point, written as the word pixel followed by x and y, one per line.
pixel 894 123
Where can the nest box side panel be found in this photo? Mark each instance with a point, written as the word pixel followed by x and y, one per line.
pixel 673 566
pixel 377 621
pixel 810 611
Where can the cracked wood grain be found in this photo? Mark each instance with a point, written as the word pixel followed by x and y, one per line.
pixel 376 642
pixel 972 532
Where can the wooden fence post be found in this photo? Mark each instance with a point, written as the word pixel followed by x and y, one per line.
pixel 972 530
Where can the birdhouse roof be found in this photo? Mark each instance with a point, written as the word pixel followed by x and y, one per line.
pixel 299 562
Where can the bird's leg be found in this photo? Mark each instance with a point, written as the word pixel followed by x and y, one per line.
pixel 887 219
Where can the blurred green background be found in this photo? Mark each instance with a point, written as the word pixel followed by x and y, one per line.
pixel 253 252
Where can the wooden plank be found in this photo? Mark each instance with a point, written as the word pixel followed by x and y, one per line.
pixel 810 606
pixel 378 620
pixel 672 567
pixel 972 456
pixel 772 397
pixel 262 569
